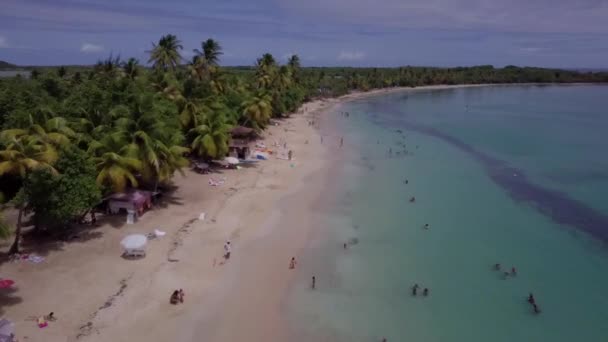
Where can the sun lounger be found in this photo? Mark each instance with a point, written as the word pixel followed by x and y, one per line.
pixel 135 253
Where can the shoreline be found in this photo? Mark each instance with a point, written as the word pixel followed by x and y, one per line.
pixel 116 299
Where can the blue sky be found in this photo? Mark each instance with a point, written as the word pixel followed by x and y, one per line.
pixel 553 33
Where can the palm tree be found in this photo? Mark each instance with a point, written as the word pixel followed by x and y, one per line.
pixel 116 171
pixel 131 68
pixel 199 68
pixel 211 51
pixel 257 111
pixel 267 61
pixel 151 141
pixel 22 156
pixel 188 114
pixel 109 66
pixel 210 139
pixel 55 131
pixel 294 65
pixel 294 62
pixel 283 78
pixel 19 158
pixel 265 71
pixel 165 55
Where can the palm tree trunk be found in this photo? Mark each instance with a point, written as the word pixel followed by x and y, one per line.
pixel 15 246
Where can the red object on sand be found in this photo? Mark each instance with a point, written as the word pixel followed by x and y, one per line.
pixel 6 283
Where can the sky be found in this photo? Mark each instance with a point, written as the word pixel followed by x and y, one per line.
pixel 549 33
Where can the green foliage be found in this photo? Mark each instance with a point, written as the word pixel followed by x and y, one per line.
pixel 165 55
pixel 56 199
pixel 136 124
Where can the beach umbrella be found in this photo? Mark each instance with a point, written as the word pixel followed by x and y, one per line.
pixel 6 283
pixel 231 160
pixel 7 329
pixel 134 241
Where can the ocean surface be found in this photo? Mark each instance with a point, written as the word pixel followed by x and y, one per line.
pixel 516 175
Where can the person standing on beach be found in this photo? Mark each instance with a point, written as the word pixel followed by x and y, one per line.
pixel 289 154
pixel 341 141
pixel 314 282
pixel 227 248
pixel 292 263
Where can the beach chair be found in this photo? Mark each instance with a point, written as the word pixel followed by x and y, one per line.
pixel 134 253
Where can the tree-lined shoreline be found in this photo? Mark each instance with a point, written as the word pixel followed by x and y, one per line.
pixel 71 135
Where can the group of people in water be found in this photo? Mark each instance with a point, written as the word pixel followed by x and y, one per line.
pixel 415 288
pixel 513 273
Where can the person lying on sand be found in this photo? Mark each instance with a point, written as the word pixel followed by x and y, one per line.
pixel 50 317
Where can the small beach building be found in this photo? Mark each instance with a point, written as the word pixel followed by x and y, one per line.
pixel 133 200
pixel 241 140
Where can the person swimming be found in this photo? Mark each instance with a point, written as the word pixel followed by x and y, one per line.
pixel 536 309
pixel 497 267
pixel 513 271
pixel 412 199
pixel 531 299
pixel 426 226
pixel 415 290
pixel 425 292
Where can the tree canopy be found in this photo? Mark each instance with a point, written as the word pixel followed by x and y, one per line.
pixel 70 134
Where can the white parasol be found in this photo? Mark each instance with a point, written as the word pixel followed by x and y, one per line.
pixel 134 241
pixel 231 160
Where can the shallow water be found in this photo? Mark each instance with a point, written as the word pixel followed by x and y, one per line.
pixel 508 174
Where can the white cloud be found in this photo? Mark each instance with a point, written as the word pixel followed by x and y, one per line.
pixel 3 42
pixel 351 56
pixel 531 49
pixel 91 48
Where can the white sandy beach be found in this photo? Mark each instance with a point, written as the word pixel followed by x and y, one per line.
pixel 99 296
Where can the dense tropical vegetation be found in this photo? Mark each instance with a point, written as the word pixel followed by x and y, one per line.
pixel 72 134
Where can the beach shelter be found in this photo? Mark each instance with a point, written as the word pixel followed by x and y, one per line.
pixel 7 330
pixel 137 200
pixel 134 244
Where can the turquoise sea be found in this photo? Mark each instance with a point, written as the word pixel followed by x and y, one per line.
pixel 516 175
